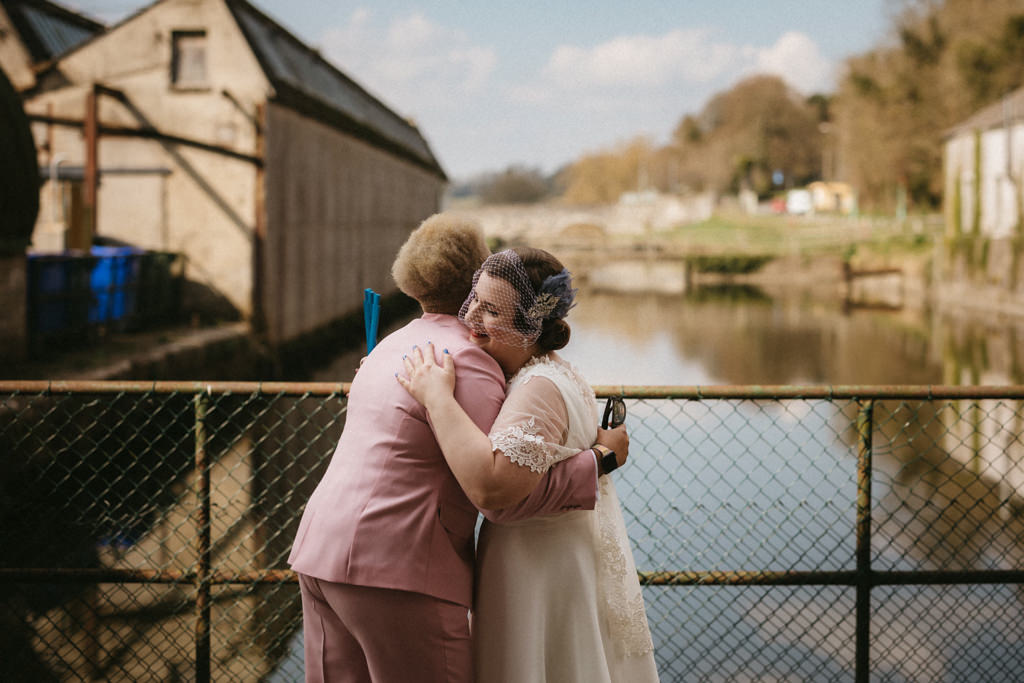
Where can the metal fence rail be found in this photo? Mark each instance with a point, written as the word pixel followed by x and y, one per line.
pixel 784 533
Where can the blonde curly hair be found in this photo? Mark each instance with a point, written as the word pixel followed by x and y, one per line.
pixel 435 266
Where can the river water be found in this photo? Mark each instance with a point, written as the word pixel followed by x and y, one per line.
pixel 746 334
pixel 758 485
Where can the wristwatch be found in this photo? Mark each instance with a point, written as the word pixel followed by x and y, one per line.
pixel 605 458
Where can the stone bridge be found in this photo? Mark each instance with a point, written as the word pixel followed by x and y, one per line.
pixel 634 215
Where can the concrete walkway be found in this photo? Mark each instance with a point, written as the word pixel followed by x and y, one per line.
pixel 221 352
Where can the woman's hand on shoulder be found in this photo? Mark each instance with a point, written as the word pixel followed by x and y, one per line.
pixel 424 379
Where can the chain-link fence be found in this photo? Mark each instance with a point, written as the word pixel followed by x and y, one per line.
pixel 787 533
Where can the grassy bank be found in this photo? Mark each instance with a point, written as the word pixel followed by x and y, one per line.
pixel 771 235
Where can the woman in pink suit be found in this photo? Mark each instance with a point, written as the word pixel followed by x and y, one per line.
pixel 384 550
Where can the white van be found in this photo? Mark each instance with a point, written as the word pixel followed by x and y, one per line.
pixel 798 201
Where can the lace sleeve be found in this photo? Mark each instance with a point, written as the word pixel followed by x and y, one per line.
pixel 531 428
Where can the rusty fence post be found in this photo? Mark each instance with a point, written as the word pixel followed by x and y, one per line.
pixel 202 632
pixel 862 653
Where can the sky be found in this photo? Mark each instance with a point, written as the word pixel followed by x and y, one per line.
pixel 538 84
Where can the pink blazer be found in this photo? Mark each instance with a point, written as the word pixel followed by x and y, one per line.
pixel 388 512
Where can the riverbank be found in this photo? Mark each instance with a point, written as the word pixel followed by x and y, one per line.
pixel 229 351
pixel 176 352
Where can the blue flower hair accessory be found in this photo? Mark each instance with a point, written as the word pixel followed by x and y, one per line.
pixel 555 298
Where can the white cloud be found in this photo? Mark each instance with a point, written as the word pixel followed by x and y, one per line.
pixel 679 56
pixel 413 34
pixel 797 58
pixel 684 57
pixel 409 61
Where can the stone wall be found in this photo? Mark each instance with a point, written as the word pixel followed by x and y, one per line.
pixel 636 214
pixel 980 275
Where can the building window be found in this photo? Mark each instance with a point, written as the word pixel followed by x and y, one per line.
pixel 188 59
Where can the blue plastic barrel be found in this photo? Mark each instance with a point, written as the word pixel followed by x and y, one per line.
pixel 114 282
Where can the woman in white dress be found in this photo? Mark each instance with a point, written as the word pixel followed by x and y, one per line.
pixel 557 597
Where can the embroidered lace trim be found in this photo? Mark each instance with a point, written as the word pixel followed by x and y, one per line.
pixel 624 602
pixel 546 366
pixel 522 445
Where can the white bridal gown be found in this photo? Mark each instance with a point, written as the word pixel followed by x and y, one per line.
pixel 557 597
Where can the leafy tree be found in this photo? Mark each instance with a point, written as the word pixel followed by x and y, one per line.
pixel 603 177
pixel 942 62
pixel 738 140
pixel 515 185
pixel 746 134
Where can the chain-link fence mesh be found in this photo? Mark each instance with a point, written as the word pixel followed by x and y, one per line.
pixel 781 534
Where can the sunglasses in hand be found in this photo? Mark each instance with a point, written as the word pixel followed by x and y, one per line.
pixel 614 412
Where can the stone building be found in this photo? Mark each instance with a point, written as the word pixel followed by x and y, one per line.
pixel 984 171
pixel 980 268
pixel 204 127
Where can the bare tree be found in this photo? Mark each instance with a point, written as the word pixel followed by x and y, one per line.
pixel 515 185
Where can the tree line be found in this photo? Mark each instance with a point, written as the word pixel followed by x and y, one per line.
pixel 882 130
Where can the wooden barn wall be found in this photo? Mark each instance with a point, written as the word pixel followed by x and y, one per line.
pixel 337 211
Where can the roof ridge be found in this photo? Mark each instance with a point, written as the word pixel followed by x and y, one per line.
pixel 244 13
pixel 316 53
pixel 993 115
pixel 65 12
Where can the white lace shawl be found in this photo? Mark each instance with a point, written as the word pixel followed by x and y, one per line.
pixel 543 423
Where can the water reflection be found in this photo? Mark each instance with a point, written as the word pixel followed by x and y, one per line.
pixel 732 294
pixel 745 335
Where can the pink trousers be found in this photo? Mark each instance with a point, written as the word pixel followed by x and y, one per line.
pixel 359 634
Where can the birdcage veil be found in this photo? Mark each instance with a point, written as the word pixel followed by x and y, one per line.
pixel 516 311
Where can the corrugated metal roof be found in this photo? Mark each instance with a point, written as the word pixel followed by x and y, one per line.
pixel 1008 109
pixel 49 30
pixel 56 34
pixel 297 71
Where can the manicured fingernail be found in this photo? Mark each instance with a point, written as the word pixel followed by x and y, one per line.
pixel 446 350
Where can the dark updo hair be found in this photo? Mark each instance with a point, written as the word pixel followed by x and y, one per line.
pixel 540 265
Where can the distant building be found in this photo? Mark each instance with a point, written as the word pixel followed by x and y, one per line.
pixel 984 171
pixel 798 202
pixel 832 197
pixel 204 127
